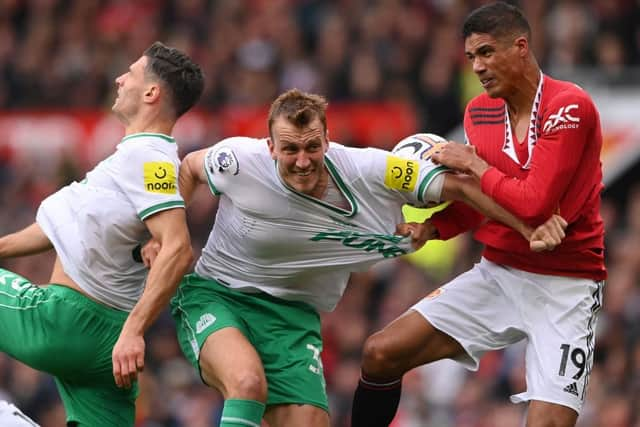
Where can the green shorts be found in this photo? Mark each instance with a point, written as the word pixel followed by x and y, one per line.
pixel 57 330
pixel 285 334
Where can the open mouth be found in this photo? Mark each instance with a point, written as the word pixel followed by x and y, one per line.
pixel 486 82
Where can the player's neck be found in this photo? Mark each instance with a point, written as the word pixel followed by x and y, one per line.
pixel 149 124
pixel 520 102
pixel 320 189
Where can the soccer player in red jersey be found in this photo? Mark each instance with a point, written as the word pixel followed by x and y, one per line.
pixel 534 143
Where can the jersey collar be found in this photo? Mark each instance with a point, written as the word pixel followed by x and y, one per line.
pixel 342 187
pixel 532 136
pixel 147 135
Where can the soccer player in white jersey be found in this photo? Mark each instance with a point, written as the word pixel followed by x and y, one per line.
pixel 86 327
pixel 296 216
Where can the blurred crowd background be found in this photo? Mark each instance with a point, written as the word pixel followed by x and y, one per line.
pixel 63 56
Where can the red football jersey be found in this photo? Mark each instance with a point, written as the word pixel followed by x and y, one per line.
pixel 556 169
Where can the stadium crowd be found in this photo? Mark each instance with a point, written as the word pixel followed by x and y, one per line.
pixel 65 55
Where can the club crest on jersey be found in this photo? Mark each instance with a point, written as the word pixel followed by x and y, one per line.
pixel 159 177
pixel 563 119
pixel 222 160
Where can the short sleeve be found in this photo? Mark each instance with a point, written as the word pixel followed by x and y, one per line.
pixel 415 180
pixel 149 178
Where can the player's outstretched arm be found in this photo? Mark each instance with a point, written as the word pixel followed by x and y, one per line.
pixel 169 229
pixel 192 174
pixel 467 189
pixel 28 241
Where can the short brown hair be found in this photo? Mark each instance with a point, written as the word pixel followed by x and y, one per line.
pixel 299 108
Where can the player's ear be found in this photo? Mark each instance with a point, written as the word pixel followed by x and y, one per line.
pixel 152 93
pixel 272 148
pixel 326 141
pixel 523 45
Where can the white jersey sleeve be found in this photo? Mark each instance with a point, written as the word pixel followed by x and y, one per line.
pixel 418 182
pixel 150 181
pixel 223 161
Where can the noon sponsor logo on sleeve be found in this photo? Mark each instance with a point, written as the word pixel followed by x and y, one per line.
pixel 401 174
pixel 160 177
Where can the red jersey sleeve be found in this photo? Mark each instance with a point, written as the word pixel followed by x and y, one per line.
pixel 567 123
pixel 455 219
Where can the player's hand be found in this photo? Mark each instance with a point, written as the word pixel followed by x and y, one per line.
pixel 460 157
pixel 128 359
pixel 149 252
pixel 549 235
pixel 420 232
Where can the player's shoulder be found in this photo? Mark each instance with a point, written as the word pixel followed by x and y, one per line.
pixel 243 143
pixel 482 109
pixel 562 91
pixel 483 103
pixel 240 147
pixel 148 146
pixel 354 155
pixel 235 153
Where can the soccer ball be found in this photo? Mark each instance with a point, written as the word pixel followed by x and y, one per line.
pixel 420 146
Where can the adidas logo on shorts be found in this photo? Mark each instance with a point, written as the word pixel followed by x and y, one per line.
pixel 572 388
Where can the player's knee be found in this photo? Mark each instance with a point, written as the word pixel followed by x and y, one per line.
pixel 377 358
pixel 236 382
pixel 247 385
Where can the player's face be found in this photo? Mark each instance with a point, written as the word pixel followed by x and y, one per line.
pixel 131 87
pixel 300 155
pixel 497 63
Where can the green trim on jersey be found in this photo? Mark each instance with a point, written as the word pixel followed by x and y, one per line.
pixel 143 134
pixel 333 171
pixel 427 180
pixel 160 207
pixel 212 187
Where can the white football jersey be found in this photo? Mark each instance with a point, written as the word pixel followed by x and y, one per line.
pixel 271 238
pixel 96 224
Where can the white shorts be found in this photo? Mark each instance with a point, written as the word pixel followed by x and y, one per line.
pixel 493 306
pixel 11 416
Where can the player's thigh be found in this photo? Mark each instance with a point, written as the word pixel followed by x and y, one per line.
pixel 229 362
pixel 476 311
pixel 409 341
pixel 213 334
pixel 25 318
pixel 41 321
pixel 97 403
pixel 287 336
pixel 296 415
pixel 561 316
